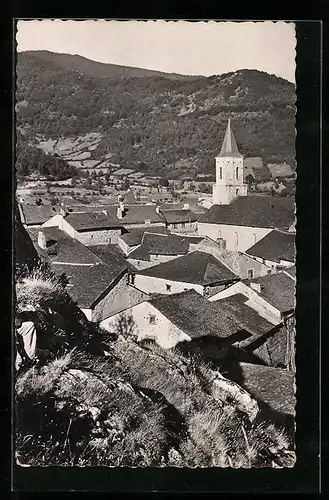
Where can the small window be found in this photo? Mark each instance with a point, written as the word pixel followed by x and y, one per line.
pixel 152 319
pixel 236 239
pixel 219 234
pixel 168 288
pixel 255 238
pixel 237 172
pixel 220 172
pixel 237 191
pixel 269 271
pixel 250 274
pixel 132 279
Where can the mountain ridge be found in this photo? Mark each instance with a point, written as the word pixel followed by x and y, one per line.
pixel 160 125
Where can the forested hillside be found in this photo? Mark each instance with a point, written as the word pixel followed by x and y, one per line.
pixel 163 124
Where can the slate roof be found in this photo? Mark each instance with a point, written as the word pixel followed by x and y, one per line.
pixel 194 207
pixel 245 316
pixel 123 171
pixel 111 255
pixel 272 386
pixel 68 249
pixel 89 282
pixel 195 315
pixel 280 170
pixel 135 235
pixel 275 246
pixel 160 244
pixel 277 289
pixel 179 216
pixel 253 211
pixel 291 271
pixel 255 167
pixel 134 214
pixel 195 267
pixel 229 146
pixel 253 162
pixel 34 214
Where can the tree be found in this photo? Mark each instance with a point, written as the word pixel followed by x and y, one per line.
pixel 125 185
pixel 163 182
pixel 73 182
pixel 192 187
pixel 249 179
pixel 88 183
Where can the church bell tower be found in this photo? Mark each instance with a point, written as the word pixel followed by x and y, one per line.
pixel 229 171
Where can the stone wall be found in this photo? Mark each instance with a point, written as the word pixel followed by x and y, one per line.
pixel 102 237
pixel 122 296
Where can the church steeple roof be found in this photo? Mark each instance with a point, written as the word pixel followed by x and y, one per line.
pixel 229 147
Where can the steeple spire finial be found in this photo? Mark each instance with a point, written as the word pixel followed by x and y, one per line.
pixel 229 147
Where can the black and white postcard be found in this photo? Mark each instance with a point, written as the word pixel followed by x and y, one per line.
pixel 155 230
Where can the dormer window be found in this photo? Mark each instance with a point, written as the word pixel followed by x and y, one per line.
pixel 152 319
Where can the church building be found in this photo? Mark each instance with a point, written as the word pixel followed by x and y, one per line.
pixel 229 171
pixel 241 220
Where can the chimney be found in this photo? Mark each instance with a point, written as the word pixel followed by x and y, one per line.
pixel 186 206
pixel 63 210
pixel 42 240
pixel 222 244
pixel 120 210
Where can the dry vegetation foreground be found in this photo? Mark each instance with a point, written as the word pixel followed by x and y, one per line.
pixel 101 399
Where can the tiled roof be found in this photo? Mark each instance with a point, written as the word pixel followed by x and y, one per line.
pixel 277 289
pixel 195 315
pixel 34 214
pixel 229 146
pixel 248 318
pixel 179 216
pixel 160 244
pixel 272 386
pixel 275 246
pixel 134 214
pixel 253 211
pixel 89 282
pixel 135 235
pixel 195 267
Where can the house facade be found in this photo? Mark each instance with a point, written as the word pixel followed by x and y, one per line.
pixel 196 270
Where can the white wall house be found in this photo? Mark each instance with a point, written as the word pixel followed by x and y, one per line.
pixel 152 284
pixel 264 309
pixel 144 321
pixel 238 238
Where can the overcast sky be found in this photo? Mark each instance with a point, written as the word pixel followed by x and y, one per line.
pixel 203 48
